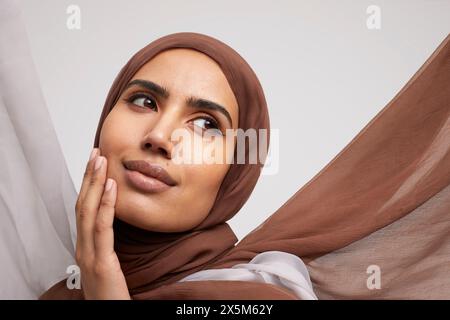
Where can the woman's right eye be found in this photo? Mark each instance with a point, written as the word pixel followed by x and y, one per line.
pixel 143 101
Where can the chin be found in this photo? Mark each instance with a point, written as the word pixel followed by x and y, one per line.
pixel 139 217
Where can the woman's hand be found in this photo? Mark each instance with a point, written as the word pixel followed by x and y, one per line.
pixel 101 274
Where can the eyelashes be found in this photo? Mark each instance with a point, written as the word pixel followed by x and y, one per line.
pixel 213 124
pixel 142 97
pixel 144 100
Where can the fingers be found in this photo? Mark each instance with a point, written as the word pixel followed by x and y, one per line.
pixel 102 275
pixel 79 208
pixel 93 185
pixel 104 234
pixel 87 174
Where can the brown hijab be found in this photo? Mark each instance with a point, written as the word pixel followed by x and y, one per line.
pixel 150 259
pixel 383 201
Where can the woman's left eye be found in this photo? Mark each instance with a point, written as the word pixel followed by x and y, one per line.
pixel 143 101
pixel 207 124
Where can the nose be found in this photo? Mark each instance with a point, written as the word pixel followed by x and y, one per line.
pixel 158 139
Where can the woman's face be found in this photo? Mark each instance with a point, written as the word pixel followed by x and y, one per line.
pixel 173 91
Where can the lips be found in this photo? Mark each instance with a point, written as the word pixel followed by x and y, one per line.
pixel 151 170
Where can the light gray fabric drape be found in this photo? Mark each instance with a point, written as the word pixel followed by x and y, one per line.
pixel 37 195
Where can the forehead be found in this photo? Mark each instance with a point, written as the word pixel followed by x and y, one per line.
pixel 187 72
pixel 187 68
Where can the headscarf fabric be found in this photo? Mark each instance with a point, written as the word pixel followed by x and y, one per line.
pixel 383 203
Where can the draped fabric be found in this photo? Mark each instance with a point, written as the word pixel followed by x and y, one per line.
pixel 379 210
pixel 37 194
pixel 374 222
pixel 274 267
pixel 383 201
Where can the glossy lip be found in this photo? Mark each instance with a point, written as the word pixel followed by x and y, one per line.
pixel 147 176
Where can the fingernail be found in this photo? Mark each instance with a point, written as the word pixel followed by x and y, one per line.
pixel 93 154
pixel 109 184
pixel 98 163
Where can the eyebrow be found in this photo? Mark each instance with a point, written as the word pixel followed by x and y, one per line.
pixel 194 102
pixel 160 91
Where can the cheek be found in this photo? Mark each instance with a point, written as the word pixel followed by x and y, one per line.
pixel 116 132
pixel 116 137
pixel 206 176
pixel 201 183
pixel 107 135
pixel 218 150
pixel 208 149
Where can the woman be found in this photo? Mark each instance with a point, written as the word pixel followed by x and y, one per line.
pixel 381 178
pixel 169 228
pixel 162 91
pixel 362 213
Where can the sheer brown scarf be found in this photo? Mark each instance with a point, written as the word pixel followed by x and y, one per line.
pixel 383 202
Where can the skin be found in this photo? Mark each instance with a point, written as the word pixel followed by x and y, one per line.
pixel 140 128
